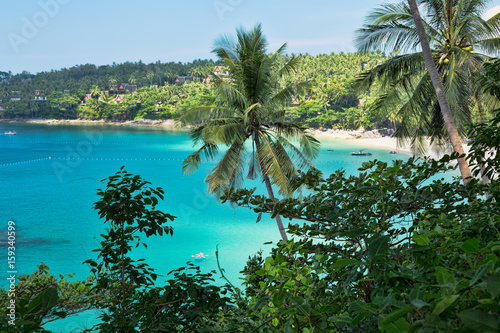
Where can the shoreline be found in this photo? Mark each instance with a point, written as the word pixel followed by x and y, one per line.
pixel 374 138
pixel 169 123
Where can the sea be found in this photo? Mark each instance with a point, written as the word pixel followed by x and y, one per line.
pixel 49 176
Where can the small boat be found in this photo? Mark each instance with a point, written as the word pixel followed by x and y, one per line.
pixel 393 152
pixel 10 133
pixel 200 256
pixel 330 149
pixel 360 153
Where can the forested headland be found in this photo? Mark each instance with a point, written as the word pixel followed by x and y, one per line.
pixel 131 91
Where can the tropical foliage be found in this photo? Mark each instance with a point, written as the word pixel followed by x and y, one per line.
pixel 249 107
pixel 131 301
pixel 330 100
pixel 461 42
pixel 41 298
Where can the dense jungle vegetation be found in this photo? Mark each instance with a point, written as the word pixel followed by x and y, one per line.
pixel 331 100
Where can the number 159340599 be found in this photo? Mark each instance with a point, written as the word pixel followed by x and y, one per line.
pixel 11 242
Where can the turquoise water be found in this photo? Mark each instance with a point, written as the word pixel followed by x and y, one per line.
pixel 48 180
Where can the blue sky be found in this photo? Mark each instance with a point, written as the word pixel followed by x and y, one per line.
pixel 40 35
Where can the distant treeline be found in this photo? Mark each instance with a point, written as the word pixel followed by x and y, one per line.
pixel 164 90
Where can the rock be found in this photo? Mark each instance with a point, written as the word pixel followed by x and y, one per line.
pixel 387 131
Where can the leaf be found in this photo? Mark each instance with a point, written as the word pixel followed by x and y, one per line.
pixel 493 285
pixel 379 246
pixel 60 314
pixel 481 271
pixel 399 326
pixel 35 304
pixel 478 320
pixel 341 319
pixel 341 263
pixel 269 261
pixel 49 299
pixel 419 303
pixel 278 299
pixel 395 315
pixel 259 217
pixel 443 277
pixel 444 304
pixel 471 246
pixel 422 240
pixel 355 233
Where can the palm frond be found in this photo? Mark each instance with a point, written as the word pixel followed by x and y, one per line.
pixel 229 95
pixel 388 27
pixel 228 133
pixel 190 163
pixel 285 95
pixel 275 163
pixel 386 38
pixel 224 47
pixel 200 114
pixel 391 71
pixel 309 145
pixel 253 161
pixel 289 68
pixel 414 115
pixel 297 156
pixel 228 172
pixel 490 46
pixel 494 23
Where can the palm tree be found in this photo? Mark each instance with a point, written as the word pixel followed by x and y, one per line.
pixel 247 116
pixel 150 75
pixel 460 41
pixel 440 93
pixel 94 91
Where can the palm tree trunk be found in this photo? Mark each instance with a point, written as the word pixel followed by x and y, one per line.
pixel 441 96
pixel 278 218
pixel 269 187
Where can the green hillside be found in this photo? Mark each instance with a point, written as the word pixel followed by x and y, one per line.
pixel 164 90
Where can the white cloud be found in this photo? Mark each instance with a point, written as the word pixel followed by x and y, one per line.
pixel 491 12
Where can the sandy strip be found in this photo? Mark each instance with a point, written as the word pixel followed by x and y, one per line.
pixel 170 123
pixel 374 139
pixel 368 138
pixel 384 142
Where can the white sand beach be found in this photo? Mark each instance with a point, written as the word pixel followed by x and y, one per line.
pixel 377 138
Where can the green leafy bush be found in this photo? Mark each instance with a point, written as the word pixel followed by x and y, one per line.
pixel 395 249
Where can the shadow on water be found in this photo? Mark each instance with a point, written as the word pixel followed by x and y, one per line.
pixel 19 240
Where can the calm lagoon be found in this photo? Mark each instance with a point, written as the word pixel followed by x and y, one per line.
pixel 48 180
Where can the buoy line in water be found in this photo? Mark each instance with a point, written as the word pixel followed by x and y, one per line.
pixel 121 159
pixel 22 162
pixel 97 143
pixel 92 159
pixel 116 159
